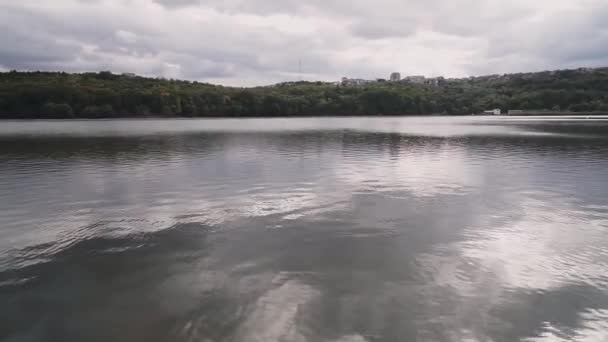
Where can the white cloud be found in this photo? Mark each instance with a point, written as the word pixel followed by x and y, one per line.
pixel 126 36
pixel 240 42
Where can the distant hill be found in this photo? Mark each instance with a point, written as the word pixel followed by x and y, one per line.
pixel 107 95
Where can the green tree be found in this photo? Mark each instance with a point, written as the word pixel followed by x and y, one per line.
pixel 57 110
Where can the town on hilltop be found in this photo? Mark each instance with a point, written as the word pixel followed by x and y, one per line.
pixel 395 77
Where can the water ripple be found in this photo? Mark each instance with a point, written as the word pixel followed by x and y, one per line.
pixel 333 229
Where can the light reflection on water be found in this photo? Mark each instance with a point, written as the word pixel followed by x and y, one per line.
pixel 350 229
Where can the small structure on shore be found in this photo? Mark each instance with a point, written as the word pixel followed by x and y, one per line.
pixel 492 112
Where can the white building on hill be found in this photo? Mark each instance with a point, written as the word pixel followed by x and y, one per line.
pixel 415 79
pixel 346 82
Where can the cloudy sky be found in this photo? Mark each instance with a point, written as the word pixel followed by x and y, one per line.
pixel 256 42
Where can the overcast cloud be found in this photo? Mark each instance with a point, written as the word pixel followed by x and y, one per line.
pixel 256 42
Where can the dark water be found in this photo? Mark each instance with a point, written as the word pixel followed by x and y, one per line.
pixel 415 229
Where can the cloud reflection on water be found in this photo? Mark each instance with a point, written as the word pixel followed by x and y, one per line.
pixel 456 234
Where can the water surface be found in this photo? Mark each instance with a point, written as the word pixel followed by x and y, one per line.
pixel 333 229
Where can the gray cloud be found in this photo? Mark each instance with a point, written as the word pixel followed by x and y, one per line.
pixel 382 30
pixel 177 3
pixel 569 38
pixel 240 42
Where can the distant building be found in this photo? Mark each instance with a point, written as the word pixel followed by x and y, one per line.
pixel 349 82
pixel 435 82
pixel 415 79
pixel 395 77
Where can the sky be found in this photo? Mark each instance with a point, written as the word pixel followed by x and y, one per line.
pixel 260 42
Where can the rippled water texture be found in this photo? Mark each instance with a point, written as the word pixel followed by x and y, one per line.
pixel 350 229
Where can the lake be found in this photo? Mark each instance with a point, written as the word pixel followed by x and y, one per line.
pixel 307 229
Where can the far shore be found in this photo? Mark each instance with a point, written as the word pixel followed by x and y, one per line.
pixel 547 115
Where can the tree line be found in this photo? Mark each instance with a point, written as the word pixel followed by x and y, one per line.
pixel 48 95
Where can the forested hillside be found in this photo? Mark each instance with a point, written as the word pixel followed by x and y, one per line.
pixel 107 95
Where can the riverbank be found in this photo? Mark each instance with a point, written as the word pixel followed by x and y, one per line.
pixel 553 113
pixel 49 95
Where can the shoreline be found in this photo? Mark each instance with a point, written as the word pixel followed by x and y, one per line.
pixel 151 118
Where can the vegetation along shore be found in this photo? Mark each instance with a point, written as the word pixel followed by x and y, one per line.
pixel 58 95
